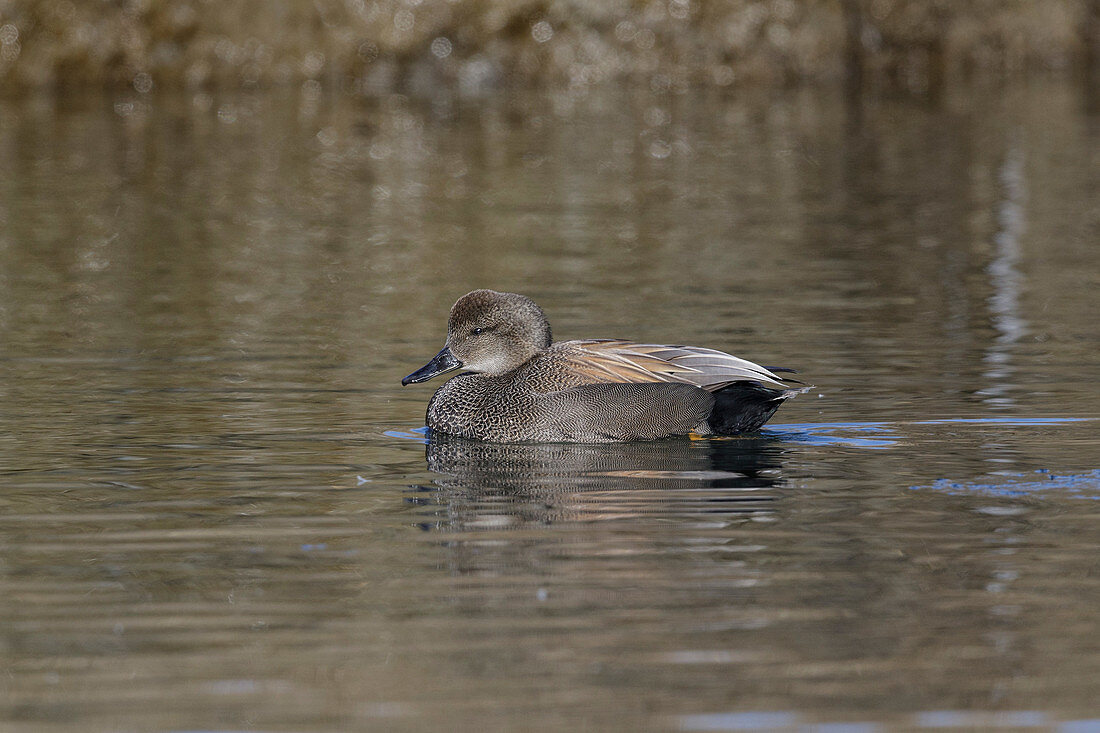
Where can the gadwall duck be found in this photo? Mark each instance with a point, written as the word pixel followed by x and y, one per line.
pixel 518 386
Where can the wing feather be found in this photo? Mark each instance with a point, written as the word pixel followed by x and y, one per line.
pixel 613 360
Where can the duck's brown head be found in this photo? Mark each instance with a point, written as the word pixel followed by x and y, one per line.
pixel 489 333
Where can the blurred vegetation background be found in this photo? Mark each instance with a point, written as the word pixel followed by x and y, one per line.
pixel 376 46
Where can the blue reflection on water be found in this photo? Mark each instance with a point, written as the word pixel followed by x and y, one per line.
pixel 752 720
pixel 853 434
pixel 881 435
pixel 1021 421
pixel 420 435
pixel 931 719
pixel 1082 485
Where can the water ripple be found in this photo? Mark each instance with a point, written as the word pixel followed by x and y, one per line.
pixel 1014 485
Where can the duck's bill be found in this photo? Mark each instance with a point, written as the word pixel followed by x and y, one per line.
pixel 443 362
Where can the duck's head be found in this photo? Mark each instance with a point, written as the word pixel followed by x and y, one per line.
pixel 488 333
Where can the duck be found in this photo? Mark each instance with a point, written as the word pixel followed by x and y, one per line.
pixel 515 384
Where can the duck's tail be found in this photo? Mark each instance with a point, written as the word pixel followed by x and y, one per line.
pixel 744 407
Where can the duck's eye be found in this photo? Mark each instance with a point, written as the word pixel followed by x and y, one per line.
pixel 476 331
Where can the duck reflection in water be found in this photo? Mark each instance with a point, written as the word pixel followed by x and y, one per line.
pixel 519 484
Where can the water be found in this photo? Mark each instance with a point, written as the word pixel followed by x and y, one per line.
pixel 219 511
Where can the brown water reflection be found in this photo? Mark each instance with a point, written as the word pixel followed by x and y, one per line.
pixel 215 512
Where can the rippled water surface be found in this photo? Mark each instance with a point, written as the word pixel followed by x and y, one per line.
pixel 219 510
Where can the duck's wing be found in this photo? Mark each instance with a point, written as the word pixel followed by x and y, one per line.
pixel 613 360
